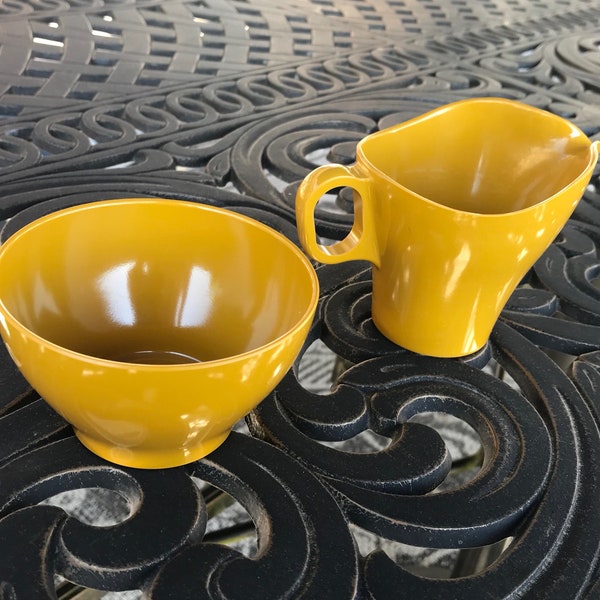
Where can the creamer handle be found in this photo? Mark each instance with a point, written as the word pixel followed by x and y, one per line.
pixel 361 242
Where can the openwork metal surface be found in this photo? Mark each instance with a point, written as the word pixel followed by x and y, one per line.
pixel 231 103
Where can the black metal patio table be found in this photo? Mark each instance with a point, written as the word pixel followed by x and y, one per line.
pixel 231 103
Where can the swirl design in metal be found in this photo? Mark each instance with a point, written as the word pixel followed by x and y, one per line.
pixel 237 121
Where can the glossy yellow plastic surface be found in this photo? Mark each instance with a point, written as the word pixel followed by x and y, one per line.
pixel 153 326
pixel 453 208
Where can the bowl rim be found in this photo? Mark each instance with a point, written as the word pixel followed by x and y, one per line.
pixel 304 320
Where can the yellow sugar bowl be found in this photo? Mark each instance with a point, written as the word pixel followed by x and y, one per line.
pixel 152 325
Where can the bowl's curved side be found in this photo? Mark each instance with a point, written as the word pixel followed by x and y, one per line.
pixel 144 417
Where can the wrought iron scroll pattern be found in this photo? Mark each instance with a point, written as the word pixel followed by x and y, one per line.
pixel 73 52
pixel 94 131
pixel 383 394
pixel 141 553
pixel 238 127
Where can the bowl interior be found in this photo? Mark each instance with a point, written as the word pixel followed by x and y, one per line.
pixel 154 281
